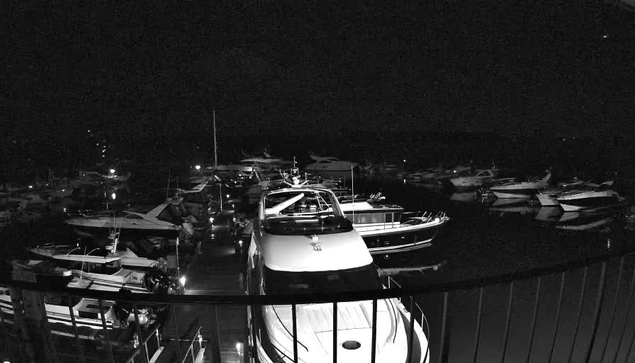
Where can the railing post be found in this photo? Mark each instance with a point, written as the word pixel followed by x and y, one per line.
pixel 445 332
pixel 617 292
pixel 176 332
pixel 215 340
pixel 412 328
pixel 106 335
pixel 142 341
pixel 80 348
pixel 373 339
pixel 579 315
pixel 294 318
pixel 533 319
pixel 477 334
pixel 628 314
pixel 335 332
pixel 558 311
pixel 598 310
pixel 508 319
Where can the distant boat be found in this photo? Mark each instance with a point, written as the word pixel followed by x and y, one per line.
pixel 600 197
pixel 481 177
pixel 549 197
pixel 520 189
pixel 329 163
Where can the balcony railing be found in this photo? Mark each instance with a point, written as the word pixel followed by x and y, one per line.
pixel 573 312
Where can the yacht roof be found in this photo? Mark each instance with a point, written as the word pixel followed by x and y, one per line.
pixel 299 253
pixel 365 206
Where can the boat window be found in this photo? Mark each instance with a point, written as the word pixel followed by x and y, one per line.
pixel 363 278
pixel 363 218
pixel 389 217
pixel 378 217
pixel 298 225
pixel 170 214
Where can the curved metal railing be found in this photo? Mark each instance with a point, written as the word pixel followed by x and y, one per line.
pixel 600 320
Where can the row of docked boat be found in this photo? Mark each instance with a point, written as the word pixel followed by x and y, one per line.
pixel 385 227
pixel 571 195
pixel 102 269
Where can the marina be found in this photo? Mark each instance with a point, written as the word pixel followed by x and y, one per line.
pixel 478 236
pixel 317 182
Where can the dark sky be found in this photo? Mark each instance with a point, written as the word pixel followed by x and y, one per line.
pixel 149 71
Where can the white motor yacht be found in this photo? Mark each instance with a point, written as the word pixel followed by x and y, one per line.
pixel 587 199
pixel 479 178
pixel 318 251
pixel 329 163
pixel 163 220
pixel 520 189
pixel 388 228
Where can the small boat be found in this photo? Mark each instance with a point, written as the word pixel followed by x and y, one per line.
pixel 89 317
pixel 163 220
pixel 329 163
pixel 479 178
pixel 549 197
pixel 520 189
pixel 577 200
pixel 106 271
pixel 318 251
pixel 388 228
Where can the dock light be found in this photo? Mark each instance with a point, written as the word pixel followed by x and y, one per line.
pixel 182 280
pixel 113 196
pixel 227 196
pixel 404 160
pixel 240 242
pixel 30 186
pixel 5 361
pixel 197 167
pixel 64 209
pixel 211 219
pixel 112 171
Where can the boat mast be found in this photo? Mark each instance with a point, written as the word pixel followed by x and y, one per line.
pixel 353 192
pixel 215 148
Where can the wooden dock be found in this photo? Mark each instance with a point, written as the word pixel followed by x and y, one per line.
pixel 216 271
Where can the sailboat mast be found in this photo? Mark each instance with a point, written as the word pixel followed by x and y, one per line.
pixel 215 147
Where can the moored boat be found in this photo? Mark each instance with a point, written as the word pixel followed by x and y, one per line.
pixel 388 228
pixel 318 251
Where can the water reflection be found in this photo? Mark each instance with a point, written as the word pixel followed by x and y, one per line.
pixel 464 197
pixel 585 221
pixel 549 214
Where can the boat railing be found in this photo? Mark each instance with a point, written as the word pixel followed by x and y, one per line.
pixel 415 310
pixel 575 311
pixel 147 348
pixel 423 217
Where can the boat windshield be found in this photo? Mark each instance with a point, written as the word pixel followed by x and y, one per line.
pixel 301 212
pixel 364 278
pixel 303 225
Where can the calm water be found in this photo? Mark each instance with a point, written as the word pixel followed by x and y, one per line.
pixel 486 239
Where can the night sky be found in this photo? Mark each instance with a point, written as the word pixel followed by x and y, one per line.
pixel 151 72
